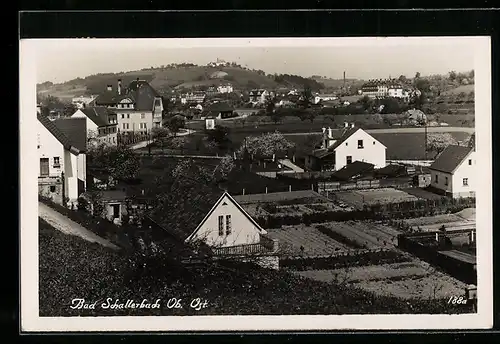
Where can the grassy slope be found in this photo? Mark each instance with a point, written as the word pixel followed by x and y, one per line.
pixel 72 268
pixel 457 90
pixel 161 79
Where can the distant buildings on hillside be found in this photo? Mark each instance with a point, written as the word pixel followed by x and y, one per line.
pixel 387 88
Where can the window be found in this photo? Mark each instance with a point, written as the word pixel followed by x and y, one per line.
pixel 123 115
pixel 470 161
pixel 347 144
pixel 114 139
pixel 373 142
pixel 56 162
pixel 128 115
pixel 466 181
pixel 52 188
pixel 349 159
pixel 221 225
pixel 445 180
pixel 436 180
pixel 143 116
pixel 125 126
pixel 360 144
pixel 228 224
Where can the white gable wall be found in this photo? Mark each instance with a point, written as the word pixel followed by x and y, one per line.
pixel 50 147
pixel 373 151
pixel 243 231
pixel 465 171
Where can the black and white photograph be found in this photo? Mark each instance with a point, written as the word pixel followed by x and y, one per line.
pixel 240 184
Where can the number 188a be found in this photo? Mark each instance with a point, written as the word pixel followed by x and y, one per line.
pixel 457 300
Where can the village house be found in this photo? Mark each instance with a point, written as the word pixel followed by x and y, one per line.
pixel 342 147
pixel 225 88
pixel 83 101
pixel 139 107
pixel 61 146
pixel 383 88
pixel 453 173
pixel 194 98
pixel 199 213
pixel 219 110
pixel 101 124
pixel 258 95
pixel 113 203
pixel 324 97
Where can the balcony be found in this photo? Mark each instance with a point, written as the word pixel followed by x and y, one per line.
pixel 266 246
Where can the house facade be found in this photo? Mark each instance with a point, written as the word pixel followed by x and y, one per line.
pixel 258 96
pixel 453 173
pixel 383 88
pixel 216 221
pixel 225 88
pixel 139 107
pixel 340 148
pixel 102 124
pixel 83 101
pixel 61 146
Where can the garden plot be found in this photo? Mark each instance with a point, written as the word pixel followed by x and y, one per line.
pixel 366 234
pixel 291 238
pixel 358 198
pixel 462 220
pixel 404 280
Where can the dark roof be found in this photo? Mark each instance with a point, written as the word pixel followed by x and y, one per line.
pixel 220 107
pixel 449 159
pixel 345 135
pixel 144 95
pixel 75 129
pixel 98 115
pixel 107 97
pixel 185 206
pixel 357 168
pixel 391 171
pixel 54 130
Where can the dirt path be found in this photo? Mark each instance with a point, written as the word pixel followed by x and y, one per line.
pixel 68 226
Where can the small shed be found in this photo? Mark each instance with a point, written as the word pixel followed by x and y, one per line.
pixel 209 123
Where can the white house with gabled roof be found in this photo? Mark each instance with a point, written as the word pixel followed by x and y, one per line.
pixel 340 148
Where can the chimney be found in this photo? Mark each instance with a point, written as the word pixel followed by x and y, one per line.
pixel 330 135
pixel 352 125
pixel 323 130
pixel 346 124
pixel 437 236
pixel 274 157
pixel 142 192
pixel 119 86
pixel 110 88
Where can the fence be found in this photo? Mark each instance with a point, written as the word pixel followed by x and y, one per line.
pixel 240 250
pixel 459 269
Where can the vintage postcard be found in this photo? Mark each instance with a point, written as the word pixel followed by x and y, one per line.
pixel 283 184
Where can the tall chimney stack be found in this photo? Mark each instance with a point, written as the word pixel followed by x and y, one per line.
pixel 119 86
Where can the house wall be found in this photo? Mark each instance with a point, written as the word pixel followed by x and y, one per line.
pixel 134 120
pixel 108 211
pixel 82 168
pixel 49 147
pixel 373 151
pixel 465 171
pixel 71 176
pixel 441 183
pixel 243 231
pixel 91 126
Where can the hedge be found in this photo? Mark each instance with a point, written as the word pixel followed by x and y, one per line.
pixel 376 212
pixel 338 237
pixel 73 268
pixel 335 262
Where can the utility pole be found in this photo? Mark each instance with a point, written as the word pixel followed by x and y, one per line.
pixel 425 136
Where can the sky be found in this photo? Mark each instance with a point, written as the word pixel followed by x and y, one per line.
pixel 62 60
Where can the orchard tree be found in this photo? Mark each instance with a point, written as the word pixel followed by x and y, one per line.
pixel 175 123
pixel 220 135
pixel 437 142
pixel 160 135
pixel 119 161
pixel 266 144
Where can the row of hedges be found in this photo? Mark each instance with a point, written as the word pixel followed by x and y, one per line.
pixel 376 212
pixel 338 237
pixel 70 267
pixel 119 235
pixel 363 258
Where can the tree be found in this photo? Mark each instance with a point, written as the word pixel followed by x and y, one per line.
pixel 119 161
pixel 306 96
pixel 160 135
pixel 188 168
pixel 417 75
pixel 452 75
pixel 437 142
pixel 175 123
pixel 403 79
pixel 177 143
pixel 366 102
pixel 266 144
pixel 220 136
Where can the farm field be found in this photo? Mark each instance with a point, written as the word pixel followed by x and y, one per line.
pixel 291 238
pixel 461 220
pixel 371 235
pixel 358 198
pixel 406 280
pixel 421 193
pixel 457 90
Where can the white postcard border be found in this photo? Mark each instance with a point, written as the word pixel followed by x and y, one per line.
pixel 30 320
